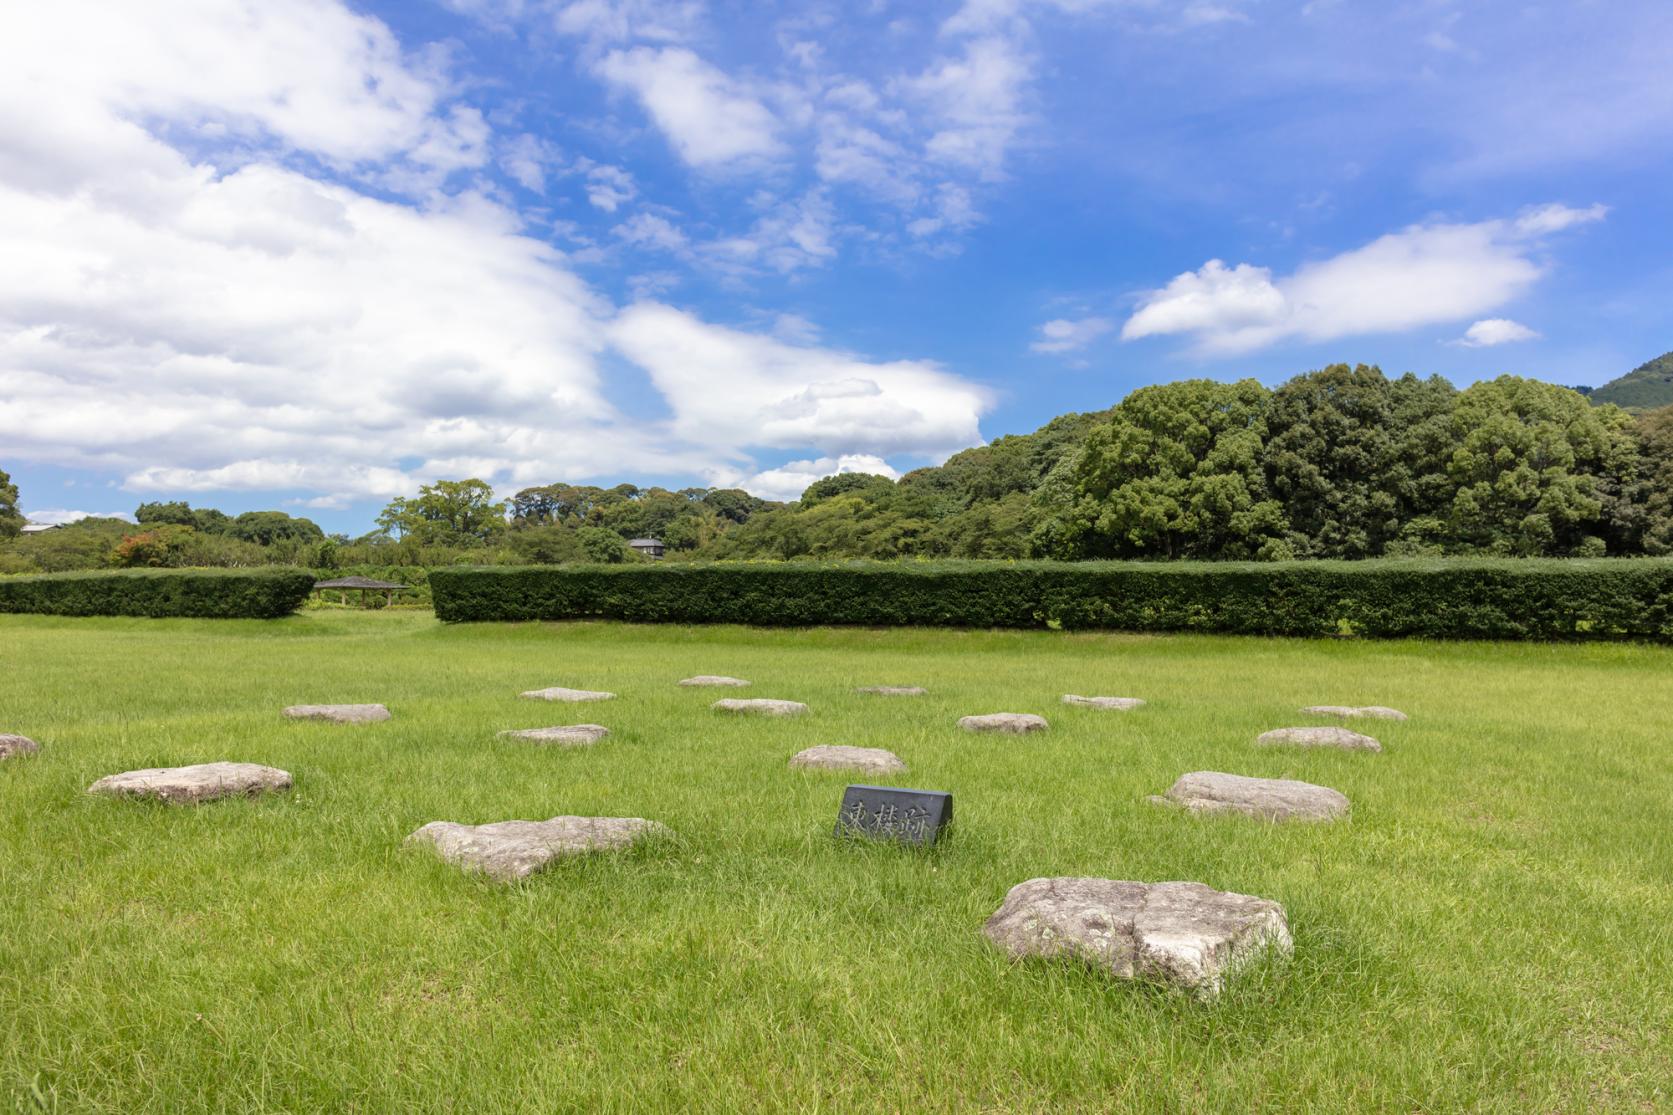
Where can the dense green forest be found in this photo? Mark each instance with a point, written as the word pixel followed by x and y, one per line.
pixel 1339 463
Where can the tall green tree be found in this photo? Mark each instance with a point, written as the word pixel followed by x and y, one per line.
pixel 842 484
pixel 448 512
pixel 1348 453
pixel 1176 473
pixel 11 519
pixel 173 513
pixel 264 528
pixel 1654 432
pixel 1530 467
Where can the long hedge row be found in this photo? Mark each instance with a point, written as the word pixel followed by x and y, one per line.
pixel 1507 599
pixel 201 593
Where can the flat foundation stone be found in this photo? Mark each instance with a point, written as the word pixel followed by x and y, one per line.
pixel 1015 723
pixel 1187 935
pixel 759 706
pixel 569 735
pixel 559 693
pixel 893 690
pixel 194 784
pixel 1273 799
pixel 510 850
pixel 871 760
pixel 12 746
pixel 709 680
pixel 1351 712
pixel 1116 704
pixel 339 714
pixel 1339 738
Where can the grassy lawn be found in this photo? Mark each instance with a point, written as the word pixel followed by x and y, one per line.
pixel 1492 930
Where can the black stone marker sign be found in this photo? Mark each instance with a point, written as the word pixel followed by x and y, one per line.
pixel 890 813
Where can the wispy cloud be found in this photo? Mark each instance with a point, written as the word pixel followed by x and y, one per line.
pixel 1065 335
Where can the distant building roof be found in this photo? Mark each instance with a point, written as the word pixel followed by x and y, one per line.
pixel 36 528
pixel 362 582
pixel 645 542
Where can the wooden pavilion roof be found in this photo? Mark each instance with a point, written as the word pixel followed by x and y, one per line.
pixel 363 582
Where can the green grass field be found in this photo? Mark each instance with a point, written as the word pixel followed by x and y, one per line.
pixel 1492 930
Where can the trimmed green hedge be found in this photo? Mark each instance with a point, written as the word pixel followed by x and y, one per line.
pixel 203 593
pixel 1497 599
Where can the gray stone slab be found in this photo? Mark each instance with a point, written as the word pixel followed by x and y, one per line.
pixel 1113 704
pixel 893 690
pixel 872 760
pixel 1186 935
pixel 1352 712
pixel 339 714
pixel 15 746
pixel 194 784
pixel 559 693
pixel 1273 799
pixel 568 735
pixel 758 706
pixel 1339 738
pixel 705 681
pixel 510 850
pixel 1015 723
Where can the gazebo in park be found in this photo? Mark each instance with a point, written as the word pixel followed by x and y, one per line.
pixel 364 584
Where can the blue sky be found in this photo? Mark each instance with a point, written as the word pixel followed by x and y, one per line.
pixel 311 255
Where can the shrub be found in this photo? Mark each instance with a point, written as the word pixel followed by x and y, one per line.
pixel 1498 599
pixel 202 593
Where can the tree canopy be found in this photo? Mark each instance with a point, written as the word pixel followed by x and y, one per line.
pixel 11 520
pixel 1341 462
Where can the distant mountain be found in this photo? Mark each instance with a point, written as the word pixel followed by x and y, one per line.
pixel 1646 387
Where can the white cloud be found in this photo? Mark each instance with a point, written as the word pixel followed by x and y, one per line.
pixel 309 75
pixel 1065 335
pixel 527 158
pixel 621 20
pixel 196 325
pixel 788 481
pixel 730 388
pixel 647 230
pixel 710 119
pixel 57 518
pixel 976 102
pixel 1495 331
pixel 1543 219
pixel 791 235
pixel 609 187
pixel 1422 275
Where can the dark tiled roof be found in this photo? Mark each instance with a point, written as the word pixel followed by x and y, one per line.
pixel 360 582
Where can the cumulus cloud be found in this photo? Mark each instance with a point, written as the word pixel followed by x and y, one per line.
pixel 1065 335
pixel 1422 275
pixel 728 387
pixel 788 481
pixel 709 119
pixel 310 75
pixel 188 302
pixel 1496 331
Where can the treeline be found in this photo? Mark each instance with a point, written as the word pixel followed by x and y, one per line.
pixel 1339 463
